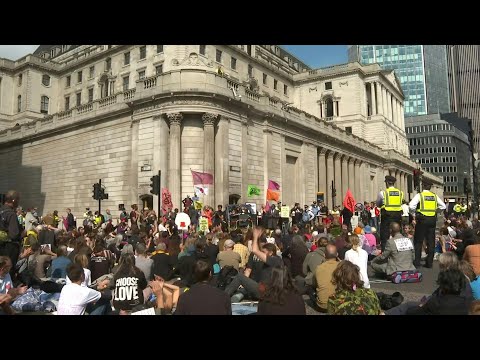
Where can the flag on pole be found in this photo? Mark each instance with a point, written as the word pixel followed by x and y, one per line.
pixel 253 190
pixel 267 207
pixel 200 190
pixel 349 201
pixel 200 178
pixel 166 200
pixel 273 185
pixel 273 195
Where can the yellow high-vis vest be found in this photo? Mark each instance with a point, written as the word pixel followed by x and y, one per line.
pixel 392 199
pixel 428 203
pixel 457 208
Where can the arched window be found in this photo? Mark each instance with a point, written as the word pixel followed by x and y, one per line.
pixel 19 103
pixel 46 80
pixel 44 105
pixel 329 107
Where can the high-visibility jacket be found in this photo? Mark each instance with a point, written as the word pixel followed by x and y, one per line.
pixel 463 208
pixel 457 208
pixel 428 203
pixel 392 199
pixel 97 220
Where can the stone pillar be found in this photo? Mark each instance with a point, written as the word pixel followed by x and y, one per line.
pixel 351 175
pixel 244 197
pixel 267 157
pixel 384 102
pixel 400 180
pixel 362 184
pixel 334 104
pixel 358 192
pixel 322 172
pixel 344 176
pixel 160 153
pixel 402 116
pixel 389 106
pixel 378 90
pixel 405 179
pixel 209 155
pixel 174 173
pixel 133 178
pixel 222 167
pixel 374 102
pixel 338 178
pixel 330 178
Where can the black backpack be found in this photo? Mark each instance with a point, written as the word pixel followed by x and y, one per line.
pixel 226 276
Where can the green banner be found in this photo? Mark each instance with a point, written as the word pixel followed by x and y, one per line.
pixel 253 190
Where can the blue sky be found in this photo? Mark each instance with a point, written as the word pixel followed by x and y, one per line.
pixel 319 55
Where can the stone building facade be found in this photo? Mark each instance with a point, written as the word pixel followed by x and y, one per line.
pixel 245 113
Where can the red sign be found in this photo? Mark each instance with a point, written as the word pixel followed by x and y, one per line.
pixel 182 224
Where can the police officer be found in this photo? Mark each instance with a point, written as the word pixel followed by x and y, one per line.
pixel 390 202
pixel 425 218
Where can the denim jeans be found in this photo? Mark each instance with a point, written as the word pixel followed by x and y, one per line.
pixel 251 286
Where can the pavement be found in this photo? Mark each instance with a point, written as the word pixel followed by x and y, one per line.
pixel 410 292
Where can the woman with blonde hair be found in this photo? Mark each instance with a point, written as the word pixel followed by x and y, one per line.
pixel 84 261
pixel 359 257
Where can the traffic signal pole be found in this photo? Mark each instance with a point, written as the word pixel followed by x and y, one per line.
pixel 159 195
pixel 100 198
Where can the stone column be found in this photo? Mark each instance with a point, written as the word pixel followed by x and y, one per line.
pixel 133 176
pixel 400 180
pixel 160 153
pixel 378 90
pixel 322 172
pixel 362 184
pixel 358 192
pixel 267 157
pixel 334 104
pixel 384 102
pixel 405 179
pixel 374 102
pixel 389 106
pixel 222 167
pixel 344 176
pixel 330 178
pixel 244 155
pixel 174 173
pixel 209 155
pixel 338 178
pixel 351 175
pixel 402 116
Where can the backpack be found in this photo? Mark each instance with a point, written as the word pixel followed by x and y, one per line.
pixel 227 273
pixel 388 302
pixel 409 276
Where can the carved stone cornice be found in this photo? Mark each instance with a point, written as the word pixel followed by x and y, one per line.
pixel 175 118
pixel 209 119
pixel 193 59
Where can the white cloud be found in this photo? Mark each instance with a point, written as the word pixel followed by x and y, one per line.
pixel 15 52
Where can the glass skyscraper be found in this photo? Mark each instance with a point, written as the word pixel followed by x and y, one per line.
pixel 421 69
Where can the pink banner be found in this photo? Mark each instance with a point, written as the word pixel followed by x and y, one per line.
pixel 200 178
pixel 166 200
pixel 273 185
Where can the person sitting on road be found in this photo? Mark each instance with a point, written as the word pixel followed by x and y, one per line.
pixel 399 254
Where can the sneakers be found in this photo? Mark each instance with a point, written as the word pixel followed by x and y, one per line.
pixel 436 256
pixel 237 297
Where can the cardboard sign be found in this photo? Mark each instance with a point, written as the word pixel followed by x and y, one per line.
pixel 182 221
pixel 203 224
pixel 285 212
pixel 403 244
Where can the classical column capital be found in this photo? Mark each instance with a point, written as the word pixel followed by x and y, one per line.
pixel 209 119
pixel 322 151
pixel 175 118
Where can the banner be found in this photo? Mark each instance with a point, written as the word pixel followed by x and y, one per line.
pixel 166 200
pixel 272 195
pixel 285 212
pixel 198 205
pixel 253 190
pixel 203 224
pixel 200 190
pixel 349 201
pixel 200 178
pixel 273 185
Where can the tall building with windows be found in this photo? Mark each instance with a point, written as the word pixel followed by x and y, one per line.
pixel 422 70
pixel 440 146
pixel 464 79
pixel 246 114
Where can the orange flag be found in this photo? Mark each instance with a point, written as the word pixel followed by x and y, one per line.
pixel 273 195
pixel 349 201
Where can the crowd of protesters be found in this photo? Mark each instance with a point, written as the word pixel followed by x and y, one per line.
pixel 100 265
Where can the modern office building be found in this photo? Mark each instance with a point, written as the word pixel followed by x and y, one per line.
pixel 246 114
pixel 421 69
pixel 439 144
pixel 464 79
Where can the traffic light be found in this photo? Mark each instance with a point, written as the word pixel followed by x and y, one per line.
pixel 103 194
pixel 155 185
pixel 334 192
pixel 96 191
